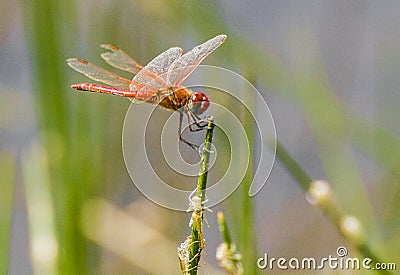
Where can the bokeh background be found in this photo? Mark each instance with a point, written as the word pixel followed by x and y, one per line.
pixel 329 71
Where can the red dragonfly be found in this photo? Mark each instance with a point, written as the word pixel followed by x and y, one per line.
pixel 159 82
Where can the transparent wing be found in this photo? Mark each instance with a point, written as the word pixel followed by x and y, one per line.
pixel 99 74
pixel 119 59
pixel 153 75
pixel 187 63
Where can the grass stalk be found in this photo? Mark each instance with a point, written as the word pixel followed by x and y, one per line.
pixel 227 255
pixel 45 32
pixel 205 157
pixel 247 228
pixel 7 186
pixel 302 178
pixel 319 194
pixel 190 251
pixel 223 228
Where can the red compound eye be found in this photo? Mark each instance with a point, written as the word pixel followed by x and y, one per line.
pixel 198 103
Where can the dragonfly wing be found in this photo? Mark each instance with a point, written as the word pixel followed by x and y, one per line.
pixel 99 74
pixel 187 63
pixel 119 59
pixel 153 75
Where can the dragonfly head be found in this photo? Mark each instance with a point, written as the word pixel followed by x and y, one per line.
pixel 198 103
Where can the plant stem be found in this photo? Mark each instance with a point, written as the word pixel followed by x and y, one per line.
pixel 228 257
pixel 226 237
pixel 202 180
pixel 329 208
pixel 292 166
pixel 197 240
pixel 8 170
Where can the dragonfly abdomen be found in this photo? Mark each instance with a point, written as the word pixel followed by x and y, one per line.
pixel 91 87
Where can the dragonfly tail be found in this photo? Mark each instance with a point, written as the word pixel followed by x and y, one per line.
pixel 90 87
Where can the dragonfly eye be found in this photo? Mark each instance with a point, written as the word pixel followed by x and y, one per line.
pixel 198 103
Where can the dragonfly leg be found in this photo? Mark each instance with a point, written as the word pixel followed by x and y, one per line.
pixel 195 120
pixel 191 145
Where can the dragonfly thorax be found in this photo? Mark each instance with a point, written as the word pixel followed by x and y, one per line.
pixel 198 103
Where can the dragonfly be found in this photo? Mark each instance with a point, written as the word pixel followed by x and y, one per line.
pixel 158 83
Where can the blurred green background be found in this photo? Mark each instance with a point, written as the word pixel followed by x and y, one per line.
pixel 329 72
